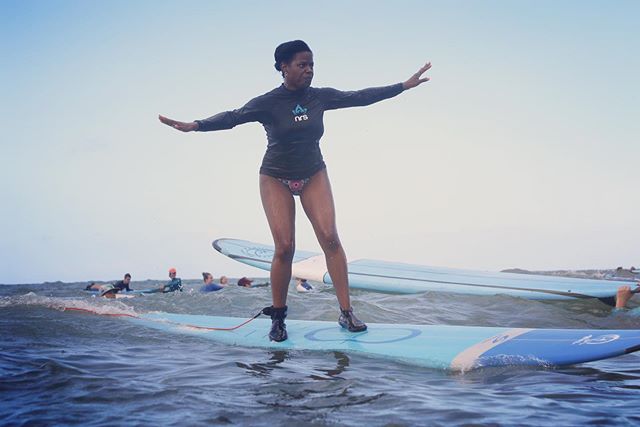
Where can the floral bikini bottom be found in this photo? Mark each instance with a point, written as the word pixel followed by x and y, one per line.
pixel 294 185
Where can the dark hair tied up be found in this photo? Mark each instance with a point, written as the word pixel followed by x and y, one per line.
pixel 287 50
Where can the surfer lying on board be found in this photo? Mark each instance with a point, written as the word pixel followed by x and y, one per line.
pixel 175 284
pixel 124 283
pixel 208 285
pixel 292 116
pixel 245 282
pixel 110 290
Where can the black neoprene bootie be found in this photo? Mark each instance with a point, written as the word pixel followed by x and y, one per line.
pixel 278 330
pixel 349 321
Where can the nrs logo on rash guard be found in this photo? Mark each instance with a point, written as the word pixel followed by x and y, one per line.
pixel 299 113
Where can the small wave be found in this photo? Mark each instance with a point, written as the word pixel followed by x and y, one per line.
pixel 513 360
pixel 93 305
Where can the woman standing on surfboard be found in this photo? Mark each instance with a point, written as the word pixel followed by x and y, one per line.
pixel 293 166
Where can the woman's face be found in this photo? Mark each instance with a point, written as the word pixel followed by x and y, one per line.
pixel 208 279
pixel 299 72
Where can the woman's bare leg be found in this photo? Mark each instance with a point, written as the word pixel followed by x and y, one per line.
pixel 317 201
pixel 280 209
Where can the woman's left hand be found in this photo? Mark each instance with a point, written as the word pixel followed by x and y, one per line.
pixel 415 79
pixel 181 126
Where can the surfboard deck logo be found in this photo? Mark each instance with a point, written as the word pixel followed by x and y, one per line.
pixel 601 339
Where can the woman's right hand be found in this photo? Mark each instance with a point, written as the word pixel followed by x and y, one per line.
pixel 416 79
pixel 181 126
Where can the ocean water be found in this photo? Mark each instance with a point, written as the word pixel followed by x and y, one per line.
pixel 68 368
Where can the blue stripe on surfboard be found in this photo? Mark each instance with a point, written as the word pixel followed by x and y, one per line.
pixel 563 346
pixel 434 346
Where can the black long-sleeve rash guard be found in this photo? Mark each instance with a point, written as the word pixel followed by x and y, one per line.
pixel 294 126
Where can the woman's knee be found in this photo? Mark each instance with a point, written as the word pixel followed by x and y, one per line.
pixel 284 250
pixel 330 241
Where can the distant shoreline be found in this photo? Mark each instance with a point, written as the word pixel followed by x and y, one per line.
pixel 606 274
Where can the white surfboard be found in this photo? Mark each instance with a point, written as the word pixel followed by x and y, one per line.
pixel 394 277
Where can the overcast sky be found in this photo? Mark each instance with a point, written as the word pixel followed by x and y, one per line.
pixel 521 152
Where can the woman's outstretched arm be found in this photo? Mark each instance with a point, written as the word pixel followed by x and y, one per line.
pixel 334 99
pixel 253 111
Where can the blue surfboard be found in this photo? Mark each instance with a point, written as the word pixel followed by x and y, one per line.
pixel 455 348
pixel 394 277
